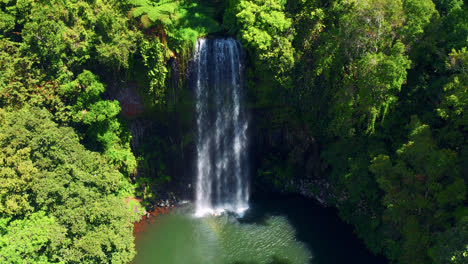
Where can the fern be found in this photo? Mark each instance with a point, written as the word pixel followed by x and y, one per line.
pixel 161 12
pixel 175 26
pixel 182 21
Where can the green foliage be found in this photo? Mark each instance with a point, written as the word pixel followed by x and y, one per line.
pixel 100 119
pixel 421 189
pixel 374 82
pixel 62 197
pixel 452 245
pixel 155 64
pixel 183 21
pixel 446 6
pixel 370 26
pixel 23 241
pixel 152 161
pixel 454 104
pixel 144 188
pixel 59 38
pixel 63 40
pixel 158 12
pixel 172 28
pixel 135 205
pixel 20 82
pixel 453 107
pixel 265 30
pixel 419 14
pixel 360 70
pixel 7 22
pixel 352 72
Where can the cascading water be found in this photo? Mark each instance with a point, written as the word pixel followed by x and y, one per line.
pixel 222 165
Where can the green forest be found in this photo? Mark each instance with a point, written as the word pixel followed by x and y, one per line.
pixel 380 87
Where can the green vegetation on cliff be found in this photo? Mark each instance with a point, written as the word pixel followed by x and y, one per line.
pixel 381 86
pixel 66 165
pixel 59 203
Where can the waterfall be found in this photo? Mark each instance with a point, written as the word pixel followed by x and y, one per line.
pixel 222 164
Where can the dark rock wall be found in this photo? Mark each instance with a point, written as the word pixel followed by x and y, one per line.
pixel 295 146
pixel 171 134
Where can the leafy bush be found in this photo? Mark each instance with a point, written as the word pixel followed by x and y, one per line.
pixel 58 201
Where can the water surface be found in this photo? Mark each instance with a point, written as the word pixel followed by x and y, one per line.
pixel 276 230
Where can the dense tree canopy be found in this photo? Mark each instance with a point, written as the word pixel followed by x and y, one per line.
pixel 381 85
pixel 58 201
pixel 378 88
pixel 266 30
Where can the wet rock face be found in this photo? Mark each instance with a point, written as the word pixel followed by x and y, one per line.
pixel 297 147
pixel 162 152
pixel 129 100
pixel 131 105
pixel 160 140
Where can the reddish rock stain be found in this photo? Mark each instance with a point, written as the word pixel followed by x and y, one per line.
pixel 149 219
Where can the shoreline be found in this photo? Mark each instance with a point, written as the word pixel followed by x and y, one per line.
pixel 150 218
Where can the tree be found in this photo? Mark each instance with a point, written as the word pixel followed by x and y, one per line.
pixel 182 21
pixel 421 190
pixel 378 79
pixel 50 181
pixel 454 104
pixel 265 29
pixel 162 13
pixel 418 14
pixel 25 240
pixel 99 119
pixel 65 40
pixel 155 64
pixel 452 244
pixel 20 82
